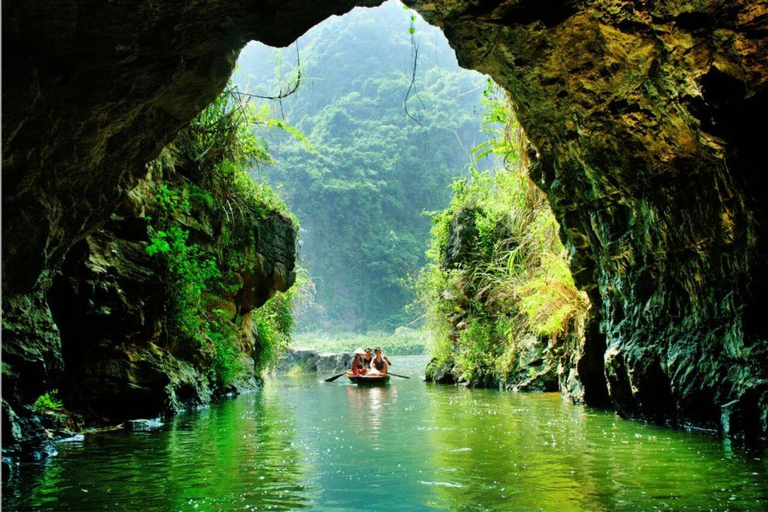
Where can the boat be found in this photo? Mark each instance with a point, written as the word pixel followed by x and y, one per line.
pixel 368 380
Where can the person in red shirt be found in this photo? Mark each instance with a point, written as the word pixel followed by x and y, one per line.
pixel 357 363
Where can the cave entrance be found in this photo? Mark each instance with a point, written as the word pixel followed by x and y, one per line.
pixel 389 122
pixel 384 141
pixel 630 125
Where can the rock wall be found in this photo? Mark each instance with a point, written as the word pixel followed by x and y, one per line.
pixel 110 303
pixel 647 123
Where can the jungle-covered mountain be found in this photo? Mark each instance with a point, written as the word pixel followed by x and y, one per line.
pixel 389 120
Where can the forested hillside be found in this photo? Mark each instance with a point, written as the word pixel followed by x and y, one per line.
pixel 372 162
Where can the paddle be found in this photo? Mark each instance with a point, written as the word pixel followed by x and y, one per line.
pixel 331 379
pixel 396 375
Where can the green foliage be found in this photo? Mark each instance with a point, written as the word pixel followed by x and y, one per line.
pixel 218 149
pixel 206 169
pixel 48 402
pixel 171 200
pixel 515 284
pixel 225 336
pixel 361 192
pixel 274 322
pixel 191 273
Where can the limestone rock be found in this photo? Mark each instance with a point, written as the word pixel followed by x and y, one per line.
pixel 310 361
pixel 440 373
pixel 462 238
pixel 32 359
pixel 24 436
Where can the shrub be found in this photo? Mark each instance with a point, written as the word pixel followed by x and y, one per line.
pixel 48 402
pixel 515 284
pixel 274 322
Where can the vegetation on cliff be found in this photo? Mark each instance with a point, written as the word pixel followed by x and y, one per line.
pixel 499 297
pixel 206 170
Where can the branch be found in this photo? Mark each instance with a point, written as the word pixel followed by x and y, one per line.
pixel 282 94
pixel 413 81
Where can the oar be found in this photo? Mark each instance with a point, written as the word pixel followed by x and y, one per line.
pixel 396 375
pixel 331 379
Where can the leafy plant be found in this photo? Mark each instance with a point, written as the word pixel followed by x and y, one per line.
pixel 274 322
pixel 48 401
pixel 207 167
pixel 224 335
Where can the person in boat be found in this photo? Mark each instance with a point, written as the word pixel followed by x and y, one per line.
pixel 367 358
pixel 358 367
pixel 380 364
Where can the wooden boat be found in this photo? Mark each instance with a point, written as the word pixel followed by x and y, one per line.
pixel 368 380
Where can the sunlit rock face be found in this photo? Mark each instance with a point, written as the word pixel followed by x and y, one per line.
pixel 647 125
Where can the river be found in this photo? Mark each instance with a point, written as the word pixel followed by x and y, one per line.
pixel 301 443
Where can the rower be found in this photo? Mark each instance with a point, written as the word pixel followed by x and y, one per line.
pixel 380 363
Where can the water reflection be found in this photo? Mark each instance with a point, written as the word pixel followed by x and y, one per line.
pixel 527 452
pixel 409 446
pixel 237 455
pixel 370 411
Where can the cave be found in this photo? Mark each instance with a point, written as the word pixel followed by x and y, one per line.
pixel 646 123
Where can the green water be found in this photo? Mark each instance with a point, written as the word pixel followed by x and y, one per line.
pixel 300 443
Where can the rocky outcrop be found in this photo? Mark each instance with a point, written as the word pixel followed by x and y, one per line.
pixel 647 124
pixel 312 361
pixel 524 360
pixel 31 346
pixel 110 302
pixel 462 239
pixel 441 372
